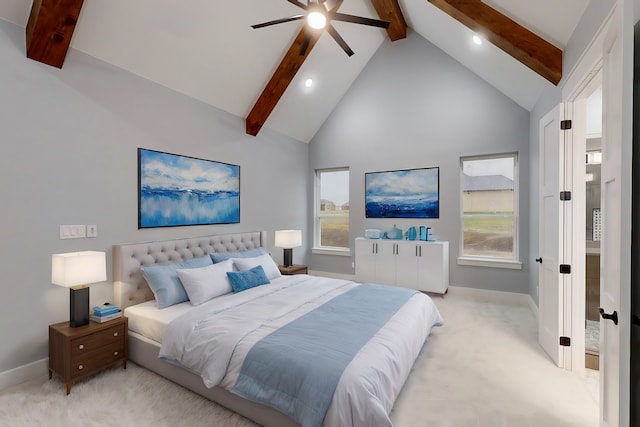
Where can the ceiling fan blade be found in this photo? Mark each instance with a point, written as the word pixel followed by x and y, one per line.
pixel 331 30
pixel 330 5
pixel 305 44
pixel 297 3
pixel 358 20
pixel 278 21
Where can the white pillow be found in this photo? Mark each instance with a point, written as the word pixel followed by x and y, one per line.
pixel 268 265
pixel 203 284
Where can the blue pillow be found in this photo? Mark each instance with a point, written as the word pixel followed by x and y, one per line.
pixel 247 279
pixel 223 256
pixel 165 284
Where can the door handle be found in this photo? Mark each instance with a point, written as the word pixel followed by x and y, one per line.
pixel 539 260
pixel 613 316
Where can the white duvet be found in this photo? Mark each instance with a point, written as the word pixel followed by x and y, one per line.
pixel 214 338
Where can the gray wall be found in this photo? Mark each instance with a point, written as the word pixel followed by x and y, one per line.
pixel 591 21
pixel 414 106
pixel 68 141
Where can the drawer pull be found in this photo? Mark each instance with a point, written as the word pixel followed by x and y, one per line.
pixel 80 367
pixel 115 334
pixel 81 347
pixel 115 353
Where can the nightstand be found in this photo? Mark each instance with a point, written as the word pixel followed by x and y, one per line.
pixel 75 353
pixel 294 269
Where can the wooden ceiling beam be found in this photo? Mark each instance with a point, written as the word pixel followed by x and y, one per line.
pixel 282 77
pixel 50 28
pixel 522 44
pixel 279 82
pixel 389 10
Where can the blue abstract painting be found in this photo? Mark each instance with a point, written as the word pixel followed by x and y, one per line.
pixel 410 193
pixel 176 190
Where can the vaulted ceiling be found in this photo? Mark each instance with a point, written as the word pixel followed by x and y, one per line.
pixel 207 49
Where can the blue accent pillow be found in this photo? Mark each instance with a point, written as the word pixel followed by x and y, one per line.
pixel 223 256
pixel 165 283
pixel 247 279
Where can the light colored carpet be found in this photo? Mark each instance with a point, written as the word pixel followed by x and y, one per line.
pixel 483 368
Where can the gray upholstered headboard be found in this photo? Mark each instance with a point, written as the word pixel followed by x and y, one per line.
pixel 130 287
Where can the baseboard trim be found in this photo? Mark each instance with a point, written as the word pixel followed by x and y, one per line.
pixel 24 373
pixel 532 306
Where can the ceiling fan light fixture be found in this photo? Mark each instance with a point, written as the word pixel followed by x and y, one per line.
pixel 316 20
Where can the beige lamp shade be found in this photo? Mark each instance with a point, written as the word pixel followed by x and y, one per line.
pixel 78 268
pixel 288 238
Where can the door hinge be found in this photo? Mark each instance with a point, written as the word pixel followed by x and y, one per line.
pixel 565 195
pixel 565 269
pixel 565 341
pixel 565 124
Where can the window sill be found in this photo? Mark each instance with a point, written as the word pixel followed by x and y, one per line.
pixel 490 262
pixel 331 251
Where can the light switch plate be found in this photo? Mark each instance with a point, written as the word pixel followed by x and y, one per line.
pixel 92 231
pixel 73 231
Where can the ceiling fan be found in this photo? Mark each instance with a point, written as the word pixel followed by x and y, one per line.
pixel 319 14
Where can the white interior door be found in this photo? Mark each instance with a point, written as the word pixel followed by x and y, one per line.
pixel 550 283
pixel 611 258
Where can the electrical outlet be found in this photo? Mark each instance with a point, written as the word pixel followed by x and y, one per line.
pixel 92 231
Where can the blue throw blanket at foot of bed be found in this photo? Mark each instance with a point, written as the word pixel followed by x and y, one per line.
pixel 296 369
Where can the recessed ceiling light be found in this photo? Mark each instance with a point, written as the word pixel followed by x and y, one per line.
pixel 308 82
pixel 477 40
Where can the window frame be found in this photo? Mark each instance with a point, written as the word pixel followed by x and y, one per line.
pixel 317 248
pixel 486 260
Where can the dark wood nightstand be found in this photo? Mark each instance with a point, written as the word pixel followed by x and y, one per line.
pixel 294 269
pixel 75 353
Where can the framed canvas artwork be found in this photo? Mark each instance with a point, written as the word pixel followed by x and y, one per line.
pixel 176 190
pixel 409 193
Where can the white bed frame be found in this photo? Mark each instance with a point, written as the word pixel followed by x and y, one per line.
pixel 130 288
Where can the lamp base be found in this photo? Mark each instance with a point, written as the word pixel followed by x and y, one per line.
pixel 288 257
pixel 78 306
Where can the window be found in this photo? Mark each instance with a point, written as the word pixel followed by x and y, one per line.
pixel 332 211
pixel 489 211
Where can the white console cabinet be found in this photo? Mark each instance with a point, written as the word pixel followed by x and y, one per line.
pixel 411 264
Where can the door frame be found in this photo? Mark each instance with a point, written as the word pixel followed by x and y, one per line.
pixel 575 229
pixel 575 83
pixel 581 81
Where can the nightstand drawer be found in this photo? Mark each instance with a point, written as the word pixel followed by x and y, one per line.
pixel 97 359
pixel 97 340
pixel 76 353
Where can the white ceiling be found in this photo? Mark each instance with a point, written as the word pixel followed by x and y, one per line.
pixel 207 50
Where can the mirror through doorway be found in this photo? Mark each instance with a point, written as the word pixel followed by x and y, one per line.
pixel 593 229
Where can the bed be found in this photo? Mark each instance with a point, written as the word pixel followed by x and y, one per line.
pixel 365 389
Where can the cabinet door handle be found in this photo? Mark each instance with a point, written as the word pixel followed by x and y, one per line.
pixel 81 347
pixel 115 353
pixel 420 250
pixel 80 367
pixel 115 334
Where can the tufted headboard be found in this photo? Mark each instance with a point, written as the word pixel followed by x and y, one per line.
pixel 130 287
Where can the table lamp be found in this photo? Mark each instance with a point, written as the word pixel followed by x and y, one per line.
pixel 288 239
pixel 75 270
